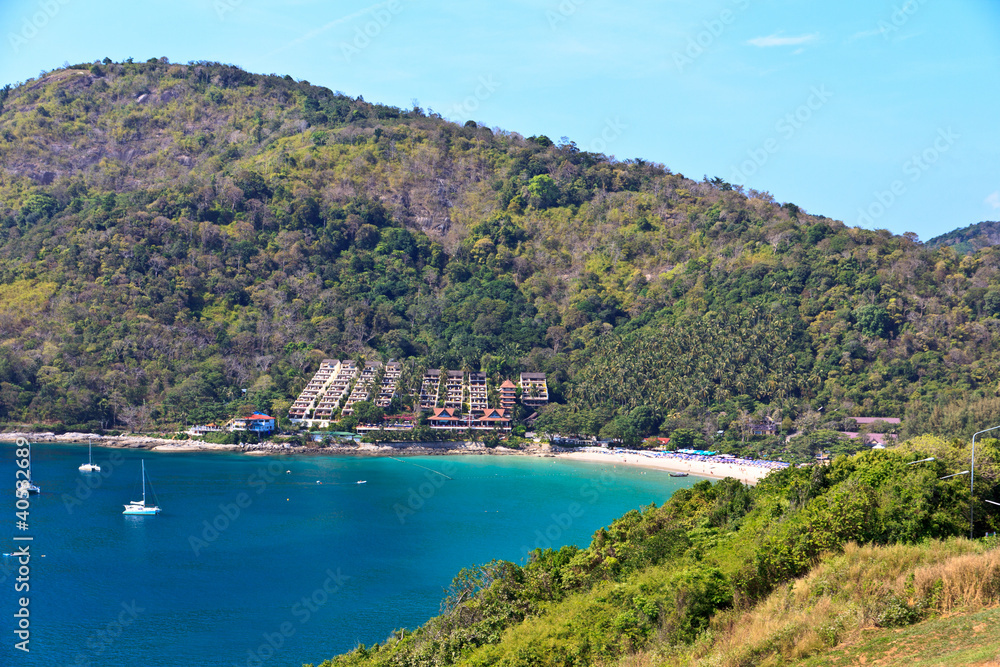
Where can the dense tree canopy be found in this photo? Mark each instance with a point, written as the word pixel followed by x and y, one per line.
pixel 171 235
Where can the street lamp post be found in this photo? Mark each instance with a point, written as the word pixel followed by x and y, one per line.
pixel 972 474
pixel 920 461
pixel 991 503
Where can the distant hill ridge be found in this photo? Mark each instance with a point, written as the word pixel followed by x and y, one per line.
pixel 969 239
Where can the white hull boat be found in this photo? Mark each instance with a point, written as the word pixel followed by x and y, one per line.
pixel 140 507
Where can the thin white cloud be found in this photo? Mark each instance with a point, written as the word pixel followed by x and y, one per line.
pixel 994 199
pixel 320 30
pixel 775 40
pixel 865 34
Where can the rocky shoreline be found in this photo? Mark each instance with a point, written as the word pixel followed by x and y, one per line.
pixel 711 469
pixel 271 448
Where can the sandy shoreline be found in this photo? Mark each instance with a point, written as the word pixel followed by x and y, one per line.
pixel 748 474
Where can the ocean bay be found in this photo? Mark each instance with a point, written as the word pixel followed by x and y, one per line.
pixel 250 564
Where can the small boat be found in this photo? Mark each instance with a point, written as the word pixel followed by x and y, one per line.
pixel 26 487
pixel 678 474
pixel 362 481
pixel 90 466
pixel 140 507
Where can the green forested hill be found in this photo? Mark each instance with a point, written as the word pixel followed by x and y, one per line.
pixel 969 239
pixel 172 234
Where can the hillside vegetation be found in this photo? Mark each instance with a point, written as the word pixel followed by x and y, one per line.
pixel 171 235
pixel 727 575
pixel 969 239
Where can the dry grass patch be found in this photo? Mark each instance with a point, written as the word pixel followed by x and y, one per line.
pixel 965 581
pixel 849 593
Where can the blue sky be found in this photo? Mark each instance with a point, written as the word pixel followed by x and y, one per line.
pixel 878 113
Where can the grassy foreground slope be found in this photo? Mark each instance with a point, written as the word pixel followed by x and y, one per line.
pixel 714 576
pixel 968 639
pixel 868 604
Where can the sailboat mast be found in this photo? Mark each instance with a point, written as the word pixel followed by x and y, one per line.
pixel 144 481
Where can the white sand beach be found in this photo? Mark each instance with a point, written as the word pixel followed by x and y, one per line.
pixel 746 473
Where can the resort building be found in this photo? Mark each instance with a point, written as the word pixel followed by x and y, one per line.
pixel 449 419
pixel 204 429
pixel 391 423
pixel 326 405
pixel 299 411
pixel 364 388
pixel 494 418
pixel 766 427
pixel 430 388
pixel 314 391
pixel 318 403
pixel 879 440
pixel 478 401
pixel 508 395
pixel 390 383
pixel 255 423
pixel 454 389
pixel 340 387
pixel 446 418
pixel 534 390
pixel 458 400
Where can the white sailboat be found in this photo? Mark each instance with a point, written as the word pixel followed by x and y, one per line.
pixel 90 466
pixel 28 484
pixel 141 507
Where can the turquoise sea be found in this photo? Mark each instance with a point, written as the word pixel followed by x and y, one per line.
pixel 251 565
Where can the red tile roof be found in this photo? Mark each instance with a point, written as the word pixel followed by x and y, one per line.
pixel 495 414
pixel 444 414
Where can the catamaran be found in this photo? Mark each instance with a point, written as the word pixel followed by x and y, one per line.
pixel 90 466
pixel 141 507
